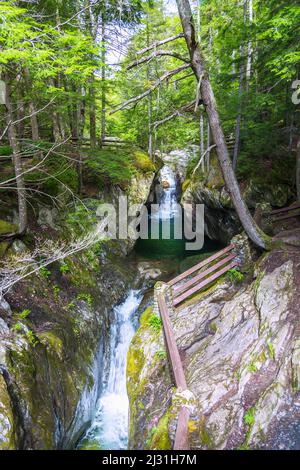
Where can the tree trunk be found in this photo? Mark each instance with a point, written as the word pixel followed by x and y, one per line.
pixel 298 170
pixel 201 136
pixel 20 108
pixel 240 107
pixel 208 98
pixel 208 146
pixel 103 90
pixel 55 118
pixel 17 162
pixel 250 51
pixel 210 48
pixel 31 107
pixel 201 122
pixel 149 99
pixel 92 113
pixel 81 113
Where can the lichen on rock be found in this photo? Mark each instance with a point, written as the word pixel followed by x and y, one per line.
pixel 244 370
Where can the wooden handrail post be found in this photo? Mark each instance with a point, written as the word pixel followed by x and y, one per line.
pixel 171 345
pixel 182 430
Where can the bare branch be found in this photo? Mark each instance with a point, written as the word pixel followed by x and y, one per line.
pixel 26 117
pixel 152 56
pixel 3 183
pixel 25 264
pixel 177 113
pixel 165 76
pixel 159 43
pixel 201 158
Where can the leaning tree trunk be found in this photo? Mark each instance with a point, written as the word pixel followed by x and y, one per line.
pixel 208 98
pixel 17 162
pixel 201 138
pixel 298 170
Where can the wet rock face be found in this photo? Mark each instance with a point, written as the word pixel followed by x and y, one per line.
pixel 54 335
pixel 221 221
pixel 51 361
pixel 241 355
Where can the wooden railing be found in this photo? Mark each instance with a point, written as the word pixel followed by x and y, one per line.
pixel 286 212
pixel 216 265
pixel 181 436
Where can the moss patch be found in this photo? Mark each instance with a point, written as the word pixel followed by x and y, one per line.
pixel 3 248
pixel 160 437
pixel 7 228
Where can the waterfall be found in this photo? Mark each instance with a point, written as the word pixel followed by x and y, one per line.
pixel 168 196
pixel 109 429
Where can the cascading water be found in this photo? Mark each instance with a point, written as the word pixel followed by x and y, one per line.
pixel 165 244
pixel 168 199
pixel 109 429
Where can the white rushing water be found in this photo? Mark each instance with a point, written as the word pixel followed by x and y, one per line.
pixel 109 429
pixel 168 200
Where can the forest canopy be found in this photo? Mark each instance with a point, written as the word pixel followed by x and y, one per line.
pixel 84 74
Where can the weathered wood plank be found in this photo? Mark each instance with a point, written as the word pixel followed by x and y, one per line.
pixel 200 265
pixel 289 216
pixel 203 274
pixel 172 349
pixel 182 430
pixel 207 281
pixel 286 209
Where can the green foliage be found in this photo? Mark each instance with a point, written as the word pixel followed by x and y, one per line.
pixel 56 291
pixel 5 150
pixel 271 350
pixel 161 354
pixel 17 327
pixel 24 314
pixel 44 272
pixel 252 367
pixel 249 417
pixel 61 175
pixel 86 298
pixel 31 337
pixel 64 268
pixel 235 276
pixel 108 166
pixel 82 218
pixel 155 322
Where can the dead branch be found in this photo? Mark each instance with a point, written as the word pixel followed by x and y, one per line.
pixel 164 77
pixel 177 113
pixel 201 158
pixel 159 43
pixel 26 117
pixel 25 264
pixel 158 53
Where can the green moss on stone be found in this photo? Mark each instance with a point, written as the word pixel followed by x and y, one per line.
pixel 52 341
pixel 3 248
pixel 204 437
pixel 7 227
pixel 160 438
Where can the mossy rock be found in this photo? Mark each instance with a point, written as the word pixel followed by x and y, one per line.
pixel 7 441
pixel 160 437
pixel 7 228
pixel 3 248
